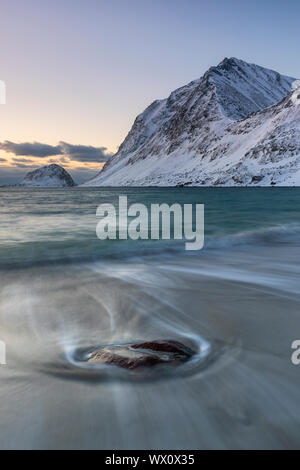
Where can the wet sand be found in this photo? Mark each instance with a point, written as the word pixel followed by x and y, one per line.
pixel 246 305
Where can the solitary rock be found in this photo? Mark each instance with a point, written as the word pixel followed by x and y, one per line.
pixel 146 354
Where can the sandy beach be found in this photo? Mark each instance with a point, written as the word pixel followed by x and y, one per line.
pixel 244 396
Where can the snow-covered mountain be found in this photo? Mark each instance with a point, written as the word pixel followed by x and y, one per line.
pixel 50 176
pixel 236 125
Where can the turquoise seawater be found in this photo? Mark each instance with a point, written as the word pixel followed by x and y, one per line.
pixel 59 225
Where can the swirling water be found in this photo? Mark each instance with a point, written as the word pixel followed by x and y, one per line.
pixel 236 302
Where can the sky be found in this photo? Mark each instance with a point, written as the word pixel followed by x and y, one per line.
pixel 78 72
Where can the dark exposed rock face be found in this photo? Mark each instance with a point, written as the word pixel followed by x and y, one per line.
pixel 257 179
pixel 146 354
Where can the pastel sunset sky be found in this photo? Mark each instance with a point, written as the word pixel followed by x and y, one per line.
pixel 78 72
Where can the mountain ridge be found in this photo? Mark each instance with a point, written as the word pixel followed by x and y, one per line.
pixel 175 137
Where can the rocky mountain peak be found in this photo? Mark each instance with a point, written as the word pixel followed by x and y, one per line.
pixel 244 88
pixel 237 122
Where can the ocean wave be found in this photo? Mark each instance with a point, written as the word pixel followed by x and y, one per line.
pixel 280 234
pixel 78 251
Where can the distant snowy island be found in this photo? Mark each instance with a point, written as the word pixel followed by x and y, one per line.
pixel 49 176
pixel 238 125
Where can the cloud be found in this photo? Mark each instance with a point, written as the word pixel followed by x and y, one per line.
pixel 78 153
pixel 59 161
pixel 84 153
pixel 23 165
pixel 3 160
pixel 31 149
pixel 23 160
pixel 62 160
pixel 84 168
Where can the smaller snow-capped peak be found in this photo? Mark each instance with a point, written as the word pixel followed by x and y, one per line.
pixel 49 176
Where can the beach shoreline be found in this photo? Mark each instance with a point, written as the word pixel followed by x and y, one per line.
pixel 245 397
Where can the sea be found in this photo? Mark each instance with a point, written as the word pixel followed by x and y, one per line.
pixel 236 303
